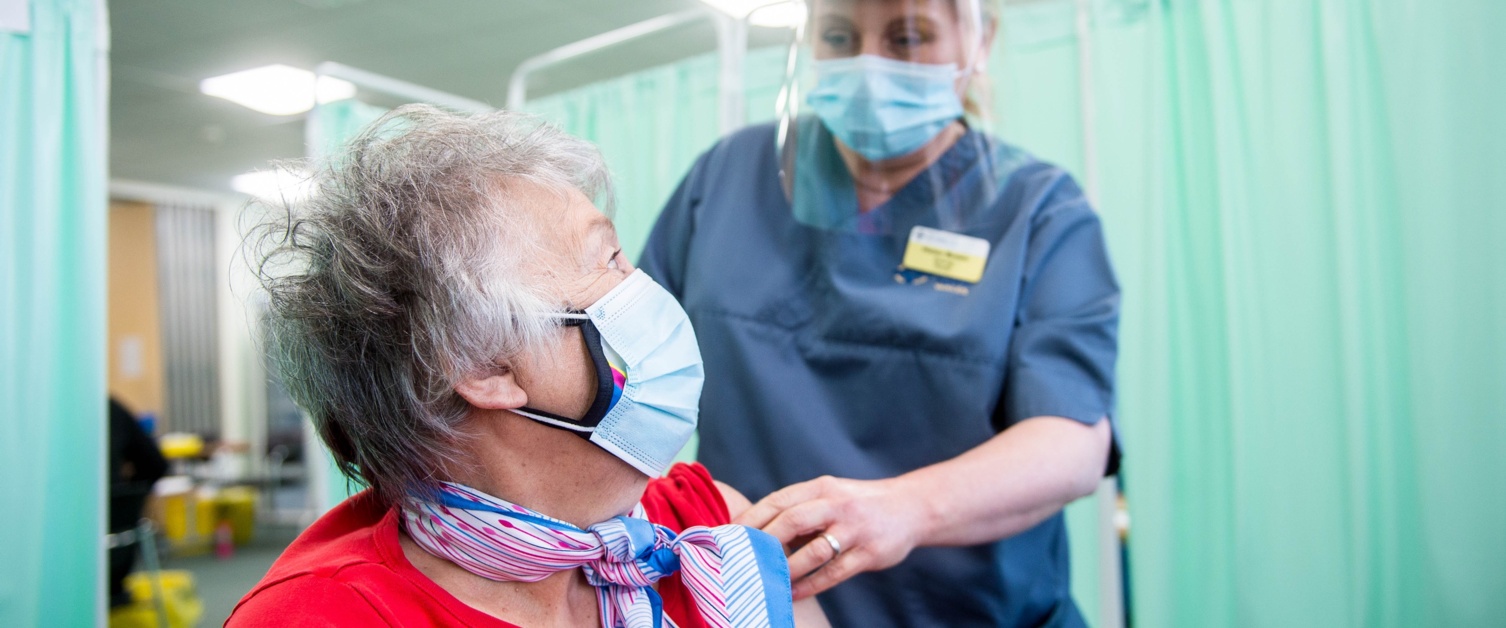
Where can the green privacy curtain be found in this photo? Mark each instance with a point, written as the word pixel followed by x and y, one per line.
pixel 52 315
pixel 1304 203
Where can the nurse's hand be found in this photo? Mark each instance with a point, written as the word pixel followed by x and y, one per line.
pixel 875 522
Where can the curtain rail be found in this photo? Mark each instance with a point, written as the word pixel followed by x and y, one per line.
pixel 731 36
pixel 399 88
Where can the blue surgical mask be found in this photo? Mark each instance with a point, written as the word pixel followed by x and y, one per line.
pixel 649 375
pixel 883 108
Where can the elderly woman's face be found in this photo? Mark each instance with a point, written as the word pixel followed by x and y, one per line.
pixel 588 261
pixel 583 259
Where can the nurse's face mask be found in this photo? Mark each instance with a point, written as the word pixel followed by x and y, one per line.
pixel 883 108
pixel 648 375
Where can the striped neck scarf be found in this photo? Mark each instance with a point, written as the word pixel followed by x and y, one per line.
pixel 737 576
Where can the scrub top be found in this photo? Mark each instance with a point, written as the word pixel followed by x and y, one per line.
pixel 824 357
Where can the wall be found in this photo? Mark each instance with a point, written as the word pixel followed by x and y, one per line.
pixel 135 338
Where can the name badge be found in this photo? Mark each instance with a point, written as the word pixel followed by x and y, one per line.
pixel 946 254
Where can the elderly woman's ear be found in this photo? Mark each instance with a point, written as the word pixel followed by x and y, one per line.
pixel 493 391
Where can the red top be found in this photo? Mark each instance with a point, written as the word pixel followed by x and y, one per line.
pixel 348 569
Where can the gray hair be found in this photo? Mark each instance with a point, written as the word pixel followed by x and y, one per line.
pixel 407 270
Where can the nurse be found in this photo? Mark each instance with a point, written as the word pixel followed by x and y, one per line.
pixel 908 327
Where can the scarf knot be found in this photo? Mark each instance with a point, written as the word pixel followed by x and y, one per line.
pixel 636 552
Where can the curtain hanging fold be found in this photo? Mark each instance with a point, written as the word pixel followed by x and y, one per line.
pixel 52 314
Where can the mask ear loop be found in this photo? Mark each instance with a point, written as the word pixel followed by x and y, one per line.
pixel 603 401
pixel 586 425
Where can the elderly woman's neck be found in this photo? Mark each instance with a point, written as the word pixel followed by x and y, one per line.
pixel 548 470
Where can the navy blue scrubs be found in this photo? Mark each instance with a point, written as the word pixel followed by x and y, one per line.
pixel 824 357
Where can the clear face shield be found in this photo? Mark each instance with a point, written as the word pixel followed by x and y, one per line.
pixel 883 117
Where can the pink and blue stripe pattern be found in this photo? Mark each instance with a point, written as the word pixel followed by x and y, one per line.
pixel 737 576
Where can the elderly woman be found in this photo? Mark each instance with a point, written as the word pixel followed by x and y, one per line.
pixel 458 319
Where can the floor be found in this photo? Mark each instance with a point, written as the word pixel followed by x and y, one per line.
pixel 222 582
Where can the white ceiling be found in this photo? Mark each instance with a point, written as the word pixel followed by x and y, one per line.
pixel 164 131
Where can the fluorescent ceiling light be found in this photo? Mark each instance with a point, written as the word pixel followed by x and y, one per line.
pixel 277 89
pixel 274 185
pixel 770 13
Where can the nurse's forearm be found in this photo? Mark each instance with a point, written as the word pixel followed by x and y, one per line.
pixel 1008 484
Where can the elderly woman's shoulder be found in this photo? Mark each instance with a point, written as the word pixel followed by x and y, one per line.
pixel 328 575
pixel 306 600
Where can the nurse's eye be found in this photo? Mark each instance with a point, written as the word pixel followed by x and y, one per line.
pixel 839 40
pixel 904 39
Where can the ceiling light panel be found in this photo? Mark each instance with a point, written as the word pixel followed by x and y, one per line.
pixel 278 90
pixel 274 185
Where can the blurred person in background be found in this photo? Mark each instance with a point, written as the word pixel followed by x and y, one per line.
pixel 135 465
